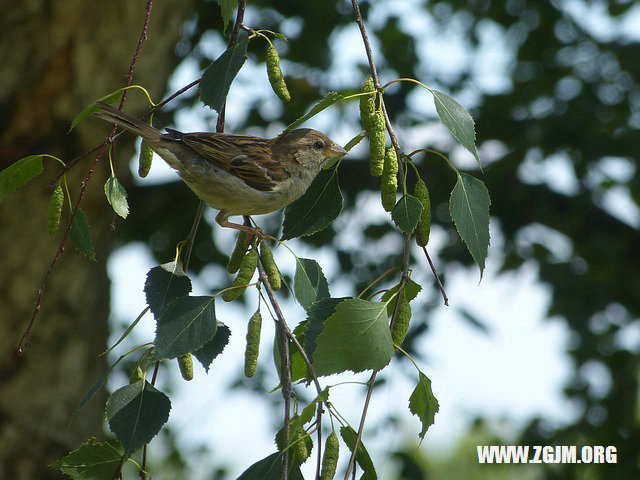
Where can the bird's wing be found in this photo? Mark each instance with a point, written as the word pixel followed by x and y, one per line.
pixel 248 158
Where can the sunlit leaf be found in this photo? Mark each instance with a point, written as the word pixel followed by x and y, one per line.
pixel 19 173
pixel 457 120
pixel 117 196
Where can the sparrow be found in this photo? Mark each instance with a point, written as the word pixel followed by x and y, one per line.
pixel 237 174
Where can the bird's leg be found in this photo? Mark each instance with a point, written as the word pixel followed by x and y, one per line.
pixel 221 219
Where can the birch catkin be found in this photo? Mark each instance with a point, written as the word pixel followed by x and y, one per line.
pixel 238 252
pixel 185 362
pixel 389 184
pixel 55 209
pixel 330 458
pixel 273 274
pixel 275 74
pixel 247 268
pixel 145 159
pixel 253 344
pixel 403 318
pixel 424 224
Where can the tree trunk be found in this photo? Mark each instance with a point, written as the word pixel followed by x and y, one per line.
pixel 57 57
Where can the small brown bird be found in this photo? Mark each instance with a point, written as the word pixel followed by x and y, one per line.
pixel 237 174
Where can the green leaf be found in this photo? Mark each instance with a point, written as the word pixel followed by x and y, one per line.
pixel 309 411
pixel 469 207
pixel 217 78
pixel 298 366
pixel 309 283
pixel 406 214
pixel 349 436
pixel 136 413
pixel 356 337
pixel 226 10
pixel 327 101
pixel 280 36
pixel 19 173
pixel 98 385
pixel 116 196
pixel 81 235
pixel 184 326
pixel 411 290
pixel 92 461
pixel 317 314
pixel 316 209
pixel 111 98
pixel 457 120
pixel 423 404
pixel 163 284
pixel 210 350
pixel 277 351
pixel 270 468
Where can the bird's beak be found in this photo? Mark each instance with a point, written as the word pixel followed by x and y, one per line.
pixel 335 151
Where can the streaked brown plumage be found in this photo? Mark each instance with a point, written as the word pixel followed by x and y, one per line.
pixel 237 174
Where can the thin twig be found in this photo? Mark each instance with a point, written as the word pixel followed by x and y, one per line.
pixel 435 272
pixel 24 341
pixel 190 240
pixel 71 163
pixel 407 242
pixel 290 337
pixel 285 374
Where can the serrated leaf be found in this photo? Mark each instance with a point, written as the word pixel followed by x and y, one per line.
pixel 217 78
pixel 116 196
pixel 136 413
pixel 19 173
pixel 93 107
pixel 329 99
pixel 423 404
pixel 349 436
pixel 92 461
pixel 316 209
pixel 81 235
pixel 270 468
pixel 406 214
pixel 226 10
pixel 356 337
pixel 163 284
pixel 469 207
pixel 411 290
pixel 309 283
pixel 457 120
pixel 214 347
pixel 317 314
pixel 184 326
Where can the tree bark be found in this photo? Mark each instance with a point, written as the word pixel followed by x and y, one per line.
pixel 57 57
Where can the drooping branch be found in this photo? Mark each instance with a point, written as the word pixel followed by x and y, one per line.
pixel 24 341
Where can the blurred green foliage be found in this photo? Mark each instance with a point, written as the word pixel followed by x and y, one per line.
pixel 569 94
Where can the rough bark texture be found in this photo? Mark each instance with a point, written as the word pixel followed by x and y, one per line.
pixel 58 56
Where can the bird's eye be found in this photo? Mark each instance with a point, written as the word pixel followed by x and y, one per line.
pixel 319 145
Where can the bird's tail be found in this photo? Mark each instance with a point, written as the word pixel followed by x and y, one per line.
pixel 113 115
